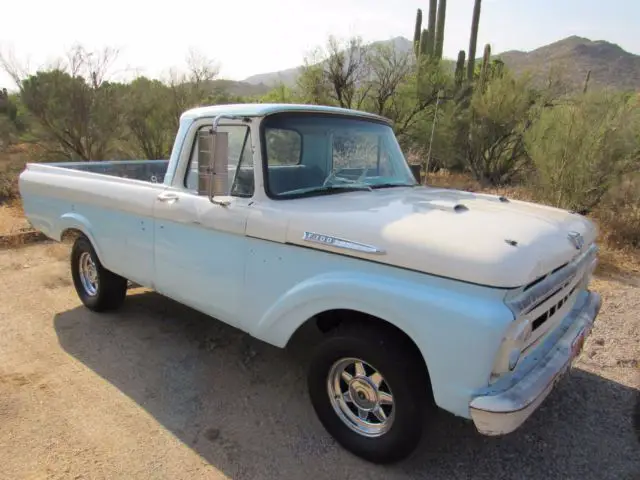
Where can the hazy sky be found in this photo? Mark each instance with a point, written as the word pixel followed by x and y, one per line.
pixel 256 36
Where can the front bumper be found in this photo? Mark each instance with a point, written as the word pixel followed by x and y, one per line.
pixel 503 408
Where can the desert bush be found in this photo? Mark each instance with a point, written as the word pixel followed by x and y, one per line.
pixel 621 226
pixel 481 129
pixel 12 121
pixel 12 162
pixel 498 117
pixel 619 213
pixel 583 148
pixel 9 181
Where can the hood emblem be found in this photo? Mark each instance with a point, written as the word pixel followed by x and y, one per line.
pixel 576 239
pixel 340 243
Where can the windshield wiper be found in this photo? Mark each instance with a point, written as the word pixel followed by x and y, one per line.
pixel 390 185
pixel 329 188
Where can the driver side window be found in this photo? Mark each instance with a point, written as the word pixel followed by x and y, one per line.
pixel 241 176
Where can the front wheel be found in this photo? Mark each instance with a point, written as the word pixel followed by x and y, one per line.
pixel 370 391
pixel 98 288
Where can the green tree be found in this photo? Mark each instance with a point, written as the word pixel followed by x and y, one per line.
pixel 194 87
pixel 79 113
pixel 149 117
pixel 346 71
pixel 80 118
pixel 311 85
pixel 8 118
pixel 279 94
pixel 416 97
pixel 389 72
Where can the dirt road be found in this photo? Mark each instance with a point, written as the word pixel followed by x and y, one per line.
pixel 159 391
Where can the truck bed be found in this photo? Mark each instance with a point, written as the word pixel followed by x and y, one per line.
pixel 152 171
pixel 109 199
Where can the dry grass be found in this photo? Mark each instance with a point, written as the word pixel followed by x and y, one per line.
pixel 15 230
pixel 623 227
pixel 621 217
pixel 12 218
pixel 459 181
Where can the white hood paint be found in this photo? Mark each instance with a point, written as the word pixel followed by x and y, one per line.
pixel 418 228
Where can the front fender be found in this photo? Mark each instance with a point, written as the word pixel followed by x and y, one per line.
pixel 319 294
pixel 458 333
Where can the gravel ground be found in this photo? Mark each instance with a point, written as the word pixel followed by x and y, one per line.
pixel 159 391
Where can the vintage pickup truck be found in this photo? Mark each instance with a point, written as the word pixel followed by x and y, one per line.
pixel 284 219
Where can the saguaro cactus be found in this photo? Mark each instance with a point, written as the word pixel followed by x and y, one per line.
pixel 425 45
pixel 439 37
pixel 497 68
pixel 484 70
pixel 433 5
pixel 475 20
pixel 459 76
pixel 416 33
pixel 430 46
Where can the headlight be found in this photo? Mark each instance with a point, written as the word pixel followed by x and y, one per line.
pixel 514 356
pixel 514 342
pixel 523 332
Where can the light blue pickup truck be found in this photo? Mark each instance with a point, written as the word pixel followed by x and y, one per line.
pixel 284 219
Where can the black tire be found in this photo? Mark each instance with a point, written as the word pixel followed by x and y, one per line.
pixel 111 288
pixel 397 360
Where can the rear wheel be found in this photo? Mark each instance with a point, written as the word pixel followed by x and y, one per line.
pixel 369 389
pixel 98 288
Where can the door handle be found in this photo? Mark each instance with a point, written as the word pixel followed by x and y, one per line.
pixel 168 197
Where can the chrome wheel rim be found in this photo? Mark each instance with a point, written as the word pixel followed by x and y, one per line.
pixel 361 397
pixel 88 274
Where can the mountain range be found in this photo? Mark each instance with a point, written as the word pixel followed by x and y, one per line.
pixel 610 65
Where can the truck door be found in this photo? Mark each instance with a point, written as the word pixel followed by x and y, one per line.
pixel 200 247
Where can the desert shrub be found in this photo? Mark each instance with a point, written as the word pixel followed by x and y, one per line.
pixel 491 130
pixel 9 172
pixel 12 163
pixel 581 149
pixel 619 213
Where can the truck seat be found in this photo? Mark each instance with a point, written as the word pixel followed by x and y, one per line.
pixel 285 178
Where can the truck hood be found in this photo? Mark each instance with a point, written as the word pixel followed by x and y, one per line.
pixel 478 238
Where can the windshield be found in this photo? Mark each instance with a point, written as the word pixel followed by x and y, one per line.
pixel 315 154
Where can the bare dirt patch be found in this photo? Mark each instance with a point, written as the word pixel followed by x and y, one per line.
pixel 12 219
pixel 157 390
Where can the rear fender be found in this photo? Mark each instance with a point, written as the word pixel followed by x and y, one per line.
pixel 75 221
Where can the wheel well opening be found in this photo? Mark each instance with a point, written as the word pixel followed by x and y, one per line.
pixel 314 329
pixel 69 235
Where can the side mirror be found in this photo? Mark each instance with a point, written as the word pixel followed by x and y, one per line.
pixel 213 166
pixel 416 170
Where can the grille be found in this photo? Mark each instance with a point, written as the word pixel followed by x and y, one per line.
pixel 549 313
pixel 542 289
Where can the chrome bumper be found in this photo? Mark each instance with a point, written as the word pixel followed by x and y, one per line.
pixel 502 408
